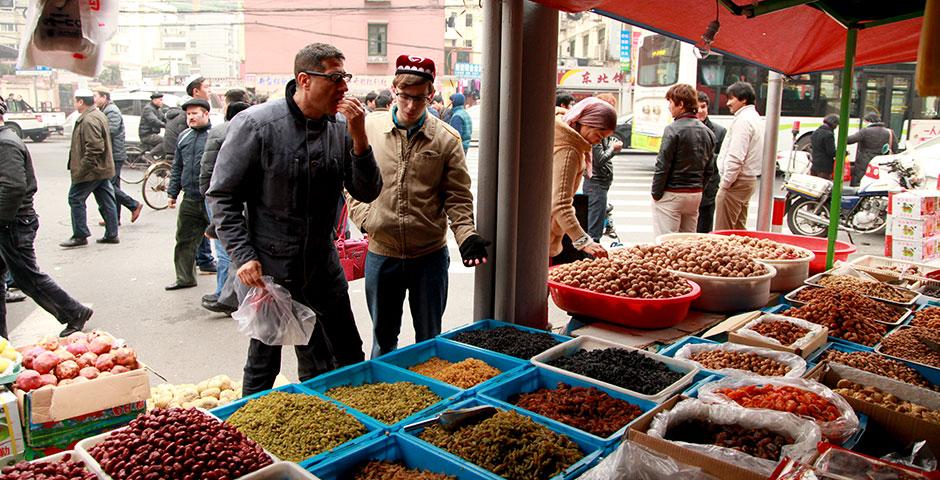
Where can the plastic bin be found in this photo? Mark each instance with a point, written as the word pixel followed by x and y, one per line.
pixel 932 375
pixel 934 369
pixel 814 244
pixel 374 372
pixel 490 324
pixel 593 450
pixel 692 392
pixel 588 342
pixel 281 471
pixel 453 352
pixel 401 448
pixel 535 378
pixel 372 426
pixel 903 312
pixel 731 294
pixel 632 312
pixel 814 280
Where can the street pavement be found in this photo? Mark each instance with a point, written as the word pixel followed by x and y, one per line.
pixel 173 334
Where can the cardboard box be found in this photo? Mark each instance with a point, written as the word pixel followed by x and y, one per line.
pixel 73 400
pixel 710 465
pixel 12 445
pixel 915 251
pixel 914 204
pixel 913 228
pixel 818 341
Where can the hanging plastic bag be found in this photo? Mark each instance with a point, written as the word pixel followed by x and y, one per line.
pixel 837 430
pixel 271 316
pixel 635 462
pixel 69 34
pixel 795 363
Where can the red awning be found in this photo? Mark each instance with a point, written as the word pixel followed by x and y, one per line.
pixel 796 40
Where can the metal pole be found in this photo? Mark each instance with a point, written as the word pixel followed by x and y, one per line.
pixel 845 97
pixel 488 169
pixel 769 169
pixel 507 216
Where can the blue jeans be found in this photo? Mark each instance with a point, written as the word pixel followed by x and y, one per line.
pixel 388 279
pixel 597 208
pixel 120 197
pixel 104 195
pixel 224 260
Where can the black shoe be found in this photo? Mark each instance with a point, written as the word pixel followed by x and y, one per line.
pixel 74 242
pixel 77 325
pixel 13 297
pixel 208 269
pixel 210 298
pixel 108 240
pixel 218 307
pixel 178 286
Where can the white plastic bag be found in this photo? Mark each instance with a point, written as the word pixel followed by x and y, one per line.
pixel 813 328
pixel 69 34
pixel 636 462
pixel 270 315
pixel 836 431
pixel 795 362
pixel 805 434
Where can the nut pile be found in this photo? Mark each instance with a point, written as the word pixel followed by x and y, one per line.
pixel 757 442
pixel 850 389
pixel 64 469
pixel 463 374
pixel 904 343
pixel 848 315
pixel 879 365
pixel 510 445
pixel 717 359
pixel 624 368
pixel 386 402
pixel 588 409
pixel 382 470
pixel 872 289
pixel 622 276
pixel 508 341
pixel 786 333
pixel 785 399
pixel 766 249
pixel 294 426
pixel 178 443
pixel 716 259
pixel 873 309
pixel 928 317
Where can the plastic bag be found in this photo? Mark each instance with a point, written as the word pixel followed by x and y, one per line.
pixel 838 430
pixel 813 328
pixel 270 315
pixel 796 363
pixel 805 434
pixel 69 34
pixel 636 462
pixel 848 464
pixel 920 456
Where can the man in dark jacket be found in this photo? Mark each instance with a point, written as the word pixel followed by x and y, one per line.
pixel 119 153
pixel 274 193
pixel 92 166
pixel 823 142
pixel 871 142
pixel 706 209
pixel 184 177
pixel 18 226
pixel 685 160
pixel 152 120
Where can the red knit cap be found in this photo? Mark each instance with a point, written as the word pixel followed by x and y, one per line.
pixel 420 66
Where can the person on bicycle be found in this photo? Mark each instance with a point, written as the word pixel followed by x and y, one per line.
pixel 152 121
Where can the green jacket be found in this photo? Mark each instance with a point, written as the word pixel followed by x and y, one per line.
pixel 90 156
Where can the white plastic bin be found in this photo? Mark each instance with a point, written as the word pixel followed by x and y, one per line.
pixel 731 294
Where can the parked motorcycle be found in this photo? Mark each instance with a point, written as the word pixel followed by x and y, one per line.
pixel 864 208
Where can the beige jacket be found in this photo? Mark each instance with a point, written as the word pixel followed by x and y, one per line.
pixel 425 183
pixel 568 162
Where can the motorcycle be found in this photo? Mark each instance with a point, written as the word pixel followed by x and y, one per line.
pixel 864 209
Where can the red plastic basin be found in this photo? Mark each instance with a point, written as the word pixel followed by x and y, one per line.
pixel 631 312
pixel 815 244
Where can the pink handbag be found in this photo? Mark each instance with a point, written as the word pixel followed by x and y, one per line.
pixel 352 252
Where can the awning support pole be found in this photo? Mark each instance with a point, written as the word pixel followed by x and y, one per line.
pixel 765 204
pixel 846 98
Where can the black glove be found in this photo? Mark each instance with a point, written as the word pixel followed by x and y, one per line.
pixel 474 248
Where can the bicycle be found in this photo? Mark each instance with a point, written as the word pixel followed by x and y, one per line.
pixel 138 163
pixel 155 184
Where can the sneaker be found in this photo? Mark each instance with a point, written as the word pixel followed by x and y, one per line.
pixel 77 325
pixel 209 269
pixel 14 296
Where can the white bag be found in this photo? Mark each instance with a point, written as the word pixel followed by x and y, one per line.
pixel 795 362
pixel 69 34
pixel 813 328
pixel 271 316
pixel 635 462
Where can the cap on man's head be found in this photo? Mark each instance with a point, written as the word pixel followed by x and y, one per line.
pixel 154 96
pixel 83 93
pixel 458 99
pixel 192 81
pixel 196 102
pixel 420 66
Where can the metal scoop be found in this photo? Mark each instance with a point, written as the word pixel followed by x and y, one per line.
pixel 453 419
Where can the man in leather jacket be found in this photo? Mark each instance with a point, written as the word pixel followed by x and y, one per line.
pixel 706 209
pixel 152 120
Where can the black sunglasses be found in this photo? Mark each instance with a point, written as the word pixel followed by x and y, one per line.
pixel 334 77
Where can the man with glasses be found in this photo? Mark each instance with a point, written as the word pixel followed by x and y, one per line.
pixel 426 185
pixel 273 196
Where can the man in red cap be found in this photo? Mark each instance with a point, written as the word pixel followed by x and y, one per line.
pixel 425 184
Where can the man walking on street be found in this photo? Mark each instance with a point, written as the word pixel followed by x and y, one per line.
pixel 152 120
pixel 706 209
pixel 740 159
pixel 119 153
pixel 184 177
pixel 823 141
pixel 274 209
pixel 92 166
pixel 683 164
pixel 460 120
pixel 426 187
pixel 18 226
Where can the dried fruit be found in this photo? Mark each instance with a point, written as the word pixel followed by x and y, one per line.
pixel 869 394
pixel 718 359
pixel 757 442
pixel 587 409
pixel 508 341
pixel 463 374
pixel 872 289
pixel 879 365
pixel 386 402
pixel 624 368
pixel 621 275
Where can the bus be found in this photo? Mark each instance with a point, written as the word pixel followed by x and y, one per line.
pixel 888 90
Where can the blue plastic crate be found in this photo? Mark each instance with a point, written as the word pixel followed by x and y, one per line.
pixel 374 372
pixel 593 449
pixel 534 378
pixel 400 448
pixel 373 427
pixel 777 308
pixel 452 352
pixel 857 436
pixel 491 324
pixel 932 375
pixel 692 391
